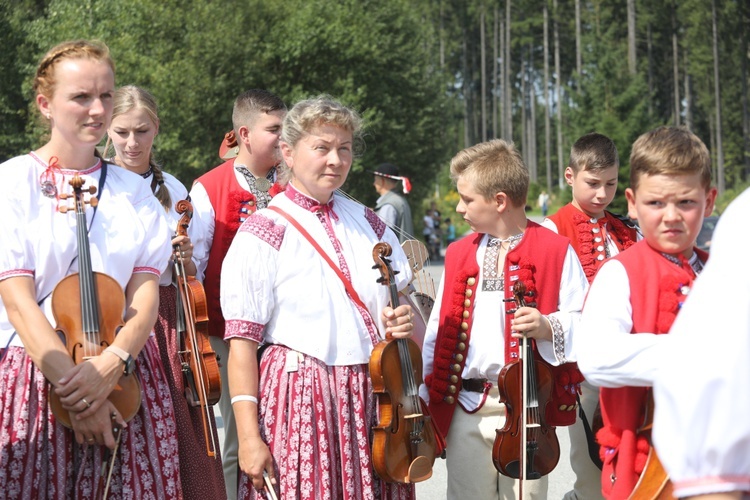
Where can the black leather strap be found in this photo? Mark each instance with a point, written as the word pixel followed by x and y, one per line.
pixel 474 384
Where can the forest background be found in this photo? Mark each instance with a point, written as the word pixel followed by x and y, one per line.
pixel 430 77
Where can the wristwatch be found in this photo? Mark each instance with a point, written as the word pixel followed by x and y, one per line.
pixel 125 356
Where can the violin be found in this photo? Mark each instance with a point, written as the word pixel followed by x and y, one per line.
pixel 88 309
pixel 654 483
pixel 200 367
pixel 404 442
pixel 526 447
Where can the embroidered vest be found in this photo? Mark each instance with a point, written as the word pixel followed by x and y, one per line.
pixel 577 226
pixel 537 260
pixel 658 288
pixel 232 205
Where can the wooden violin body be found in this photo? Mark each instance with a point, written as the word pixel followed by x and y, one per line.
pixel 654 483
pixel 88 309
pixel 199 364
pixel 404 442
pixel 543 448
pixel 525 447
pixel 202 354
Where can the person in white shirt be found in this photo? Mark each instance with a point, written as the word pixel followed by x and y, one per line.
pixel 304 414
pixel 702 385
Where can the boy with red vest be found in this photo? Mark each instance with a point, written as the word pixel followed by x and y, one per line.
pixel 595 234
pixel 641 290
pixel 222 199
pixel 473 330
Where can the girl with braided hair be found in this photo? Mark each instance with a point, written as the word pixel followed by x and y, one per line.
pixel 135 124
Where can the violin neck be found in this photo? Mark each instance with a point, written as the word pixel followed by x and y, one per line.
pixel 89 302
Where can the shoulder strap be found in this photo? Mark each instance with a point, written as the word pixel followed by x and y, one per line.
pixel 347 284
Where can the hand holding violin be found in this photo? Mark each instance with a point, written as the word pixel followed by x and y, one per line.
pixel 183 245
pixel 398 322
pixel 530 322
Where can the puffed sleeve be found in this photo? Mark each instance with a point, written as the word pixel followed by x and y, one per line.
pixel 702 393
pixel 16 251
pixel 430 338
pixel 247 283
pixel 202 234
pixel 156 247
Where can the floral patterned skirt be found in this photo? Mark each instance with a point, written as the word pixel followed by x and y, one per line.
pixel 40 459
pixel 317 422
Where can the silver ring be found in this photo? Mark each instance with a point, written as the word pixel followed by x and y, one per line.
pixel 88 405
pixel 91 440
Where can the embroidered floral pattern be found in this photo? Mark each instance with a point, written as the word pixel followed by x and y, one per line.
pixel 265 229
pixel 243 330
pixel 376 223
pixel 317 422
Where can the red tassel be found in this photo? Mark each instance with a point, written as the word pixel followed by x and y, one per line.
pixel 407 184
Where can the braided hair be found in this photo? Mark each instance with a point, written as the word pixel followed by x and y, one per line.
pixel 126 99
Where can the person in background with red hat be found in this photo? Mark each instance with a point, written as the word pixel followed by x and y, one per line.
pixel 222 199
pixel 392 206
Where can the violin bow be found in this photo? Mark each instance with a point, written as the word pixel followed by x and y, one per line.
pixel 109 463
pixel 269 487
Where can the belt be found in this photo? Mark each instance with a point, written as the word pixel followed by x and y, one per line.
pixel 474 384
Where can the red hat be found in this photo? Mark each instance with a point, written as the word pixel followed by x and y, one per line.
pixel 229 147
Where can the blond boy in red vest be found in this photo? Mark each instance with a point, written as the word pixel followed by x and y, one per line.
pixel 637 294
pixel 473 330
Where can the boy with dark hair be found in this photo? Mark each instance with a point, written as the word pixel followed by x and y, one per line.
pixel 595 234
pixel 637 294
pixel 473 330
pixel 222 199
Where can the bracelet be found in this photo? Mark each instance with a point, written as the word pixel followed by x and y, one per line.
pixel 244 397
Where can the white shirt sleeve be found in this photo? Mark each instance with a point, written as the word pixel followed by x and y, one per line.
pixel 566 319
pixel 608 354
pixel 701 390
pixel 202 234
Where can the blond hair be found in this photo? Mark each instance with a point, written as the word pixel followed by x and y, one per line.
pixel 128 98
pixel 492 167
pixel 309 114
pixel 669 151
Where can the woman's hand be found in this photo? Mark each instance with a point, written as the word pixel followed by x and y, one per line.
pixel 98 428
pixel 86 386
pixel 398 321
pixel 185 248
pixel 529 321
pixel 255 458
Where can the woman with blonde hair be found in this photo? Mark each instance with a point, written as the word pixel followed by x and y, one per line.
pixel 135 124
pixel 128 241
pixel 304 416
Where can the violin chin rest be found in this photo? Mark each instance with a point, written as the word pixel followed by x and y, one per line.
pixel 419 470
